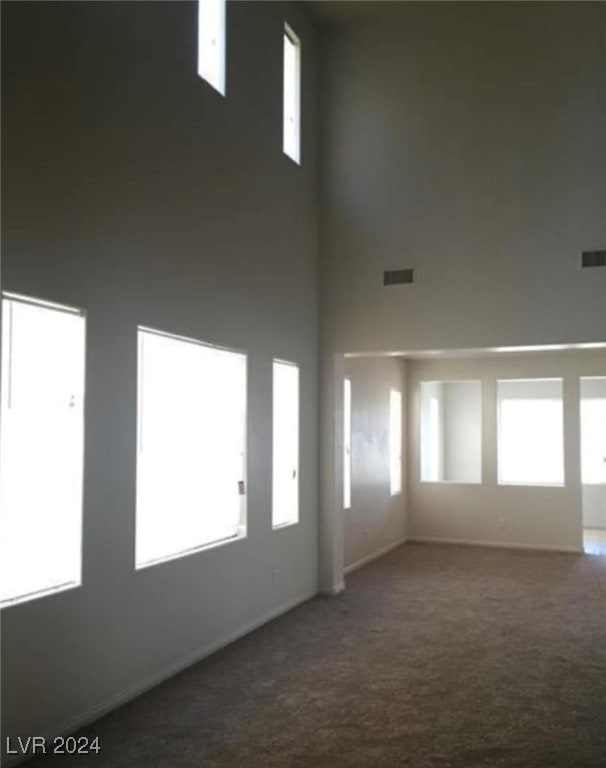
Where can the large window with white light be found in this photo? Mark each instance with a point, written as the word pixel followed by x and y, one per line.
pixel 211 43
pixel 285 505
pixel 395 441
pixel 451 431
pixel 346 443
pixel 292 95
pixel 41 448
pixel 191 438
pixel 530 432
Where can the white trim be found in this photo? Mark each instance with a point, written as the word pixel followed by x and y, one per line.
pixel 496 544
pixel 336 589
pixel 374 555
pixel 43 303
pixel 68 727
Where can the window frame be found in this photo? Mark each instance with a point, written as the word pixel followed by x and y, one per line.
pixel 242 528
pixel 80 312
pixel 395 445
pixel 347 442
pixel 534 483
pixel 297 518
pixel 293 152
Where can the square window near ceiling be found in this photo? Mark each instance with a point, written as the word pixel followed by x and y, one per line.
pixel 451 431
pixel 41 448
pixel 211 43
pixel 292 95
pixel 191 437
pixel 530 432
pixel 285 455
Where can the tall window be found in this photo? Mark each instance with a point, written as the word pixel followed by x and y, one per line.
pixel 395 441
pixel 191 434
pixel 346 443
pixel 41 448
pixel 451 431
pixel 292 95
pixel 530 431
pixel 211 43
pixel 285 507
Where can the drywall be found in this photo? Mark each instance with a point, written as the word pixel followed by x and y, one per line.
pixel 376 519
pixel 543 517
pixel 465 140
pixel 462 431
pixel 133 189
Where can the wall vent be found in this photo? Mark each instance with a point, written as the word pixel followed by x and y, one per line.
pixel 593 259
pixel 398 276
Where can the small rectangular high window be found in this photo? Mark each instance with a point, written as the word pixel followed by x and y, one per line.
pixel 191 437
pixel 211 43
pixel 41 448
pixel 292 95
pixel 285 506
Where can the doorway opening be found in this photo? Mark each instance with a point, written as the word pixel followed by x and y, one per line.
pixel 593 463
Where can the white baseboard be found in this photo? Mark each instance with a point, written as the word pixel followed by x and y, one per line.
pixel 129 693
pixel 495 544
pixel 374 555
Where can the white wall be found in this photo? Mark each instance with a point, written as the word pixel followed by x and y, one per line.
pixel 376 519
pixel 132 189
pixel 462 431
pixel 543 517
pixel 465 140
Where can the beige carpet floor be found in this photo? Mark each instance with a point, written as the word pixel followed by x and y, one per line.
pixel 434 657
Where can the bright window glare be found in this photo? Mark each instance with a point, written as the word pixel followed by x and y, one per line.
pixel 41 448
pixel 292 95
pixel 211 43
pixel 347 443
pixel 593 431
pixel 395 441
pixel 531 445
pixel 191 467
pixel 285 444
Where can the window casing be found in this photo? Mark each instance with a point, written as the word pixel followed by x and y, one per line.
pixel 41 448
pixel 292 95
pixel 191 446
pixel 285 455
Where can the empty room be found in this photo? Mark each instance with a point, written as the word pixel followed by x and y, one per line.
pixel 303 384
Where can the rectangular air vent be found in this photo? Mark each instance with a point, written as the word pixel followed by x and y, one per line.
pixel 593 259
pixel 398 276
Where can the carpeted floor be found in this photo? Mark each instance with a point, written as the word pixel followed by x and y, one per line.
pixel 434 657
